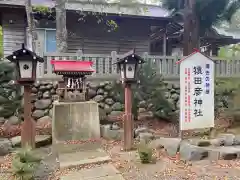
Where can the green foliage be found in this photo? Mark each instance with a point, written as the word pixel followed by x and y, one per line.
pixel 229 52
pixel 152 89
pixel 10 100
pixel 145 153
pixel 24 164
pixel 206 14
pixel 43 12
pixel 227 98
pixel 41 9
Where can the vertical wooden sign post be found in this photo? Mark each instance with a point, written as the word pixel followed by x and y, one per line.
pixel 128 66
pixel 26 63
pixel 196 92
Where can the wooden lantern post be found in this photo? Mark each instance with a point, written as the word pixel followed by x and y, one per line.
pixel 26 64
pixel 128 66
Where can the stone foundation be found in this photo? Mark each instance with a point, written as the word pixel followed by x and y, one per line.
pixel 75 121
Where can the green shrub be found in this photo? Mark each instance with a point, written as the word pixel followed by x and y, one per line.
pixel 10 98
pixel 145 153
pixel 24 164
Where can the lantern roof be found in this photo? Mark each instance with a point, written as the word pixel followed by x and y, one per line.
pixel 72 67
pixel 24 54
pixel 131 56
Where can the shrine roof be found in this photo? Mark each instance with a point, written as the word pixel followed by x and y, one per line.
pixel 196 51
pixel 72 66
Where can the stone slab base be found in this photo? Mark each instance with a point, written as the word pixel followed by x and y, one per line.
pixel 69 160
pixel 103 172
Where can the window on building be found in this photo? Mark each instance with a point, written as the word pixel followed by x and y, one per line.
pixel 50 40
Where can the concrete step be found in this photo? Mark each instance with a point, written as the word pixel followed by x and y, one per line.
pixel 103 172
pixel 68 160
pixel 61 147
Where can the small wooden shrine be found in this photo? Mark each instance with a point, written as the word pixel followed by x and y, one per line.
pixel 74 78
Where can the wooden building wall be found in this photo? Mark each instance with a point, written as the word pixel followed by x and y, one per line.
pixel 13 27
pixel 94 38
pixel 88 35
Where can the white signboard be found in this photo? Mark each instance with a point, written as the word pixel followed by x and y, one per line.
pixel 196 92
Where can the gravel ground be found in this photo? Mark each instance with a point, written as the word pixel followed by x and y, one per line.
pixel 129 165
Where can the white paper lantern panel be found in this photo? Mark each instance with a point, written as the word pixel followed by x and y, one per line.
pixel 130 71
pixel 25 68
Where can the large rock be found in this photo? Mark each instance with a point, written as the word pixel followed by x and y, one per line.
pixel 93 85
pixel 156 144
pixel 200 142
pixel 13 120
pixel 142 104
pixel 108 87
pixel 98 98
pixel 117 106
pixel 139 130
pixel 109 101
pixel 107 108
pixel 108 133
pixel 5 146
pixel 46 94
pixel 217 142
pixel 237 140
pixel 3 99
pixel 171 145
pixel 228 139
pixel 41 140
pixel 37 84
pixel 43 103
pixel 7 112
pixel 91 93
pixel 145 116
pixel 190 152
pixel 38 114
pixel 146 137
pixel 16 141
pixel 2 120
pixel 224 153
pixel 34 90
pixel 44 121
pixel 115 116
pixel 100 92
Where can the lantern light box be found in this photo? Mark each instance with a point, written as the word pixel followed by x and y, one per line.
pixel 129 65
pixel 26 64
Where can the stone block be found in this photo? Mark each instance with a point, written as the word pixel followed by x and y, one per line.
pixel 108 133
pixel 170 144
pixel 227 138
pixel 5 146
pixel 200 142
pixel 156 144
pixel 75 121
pixel 191 152
pixel 146 137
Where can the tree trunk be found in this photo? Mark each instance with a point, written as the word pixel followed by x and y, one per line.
pixel 61 30
pixel 31 30
pixel 195 30
pixel 191 29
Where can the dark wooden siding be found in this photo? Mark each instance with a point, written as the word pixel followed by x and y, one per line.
pixel 94 38
pixel 13 25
